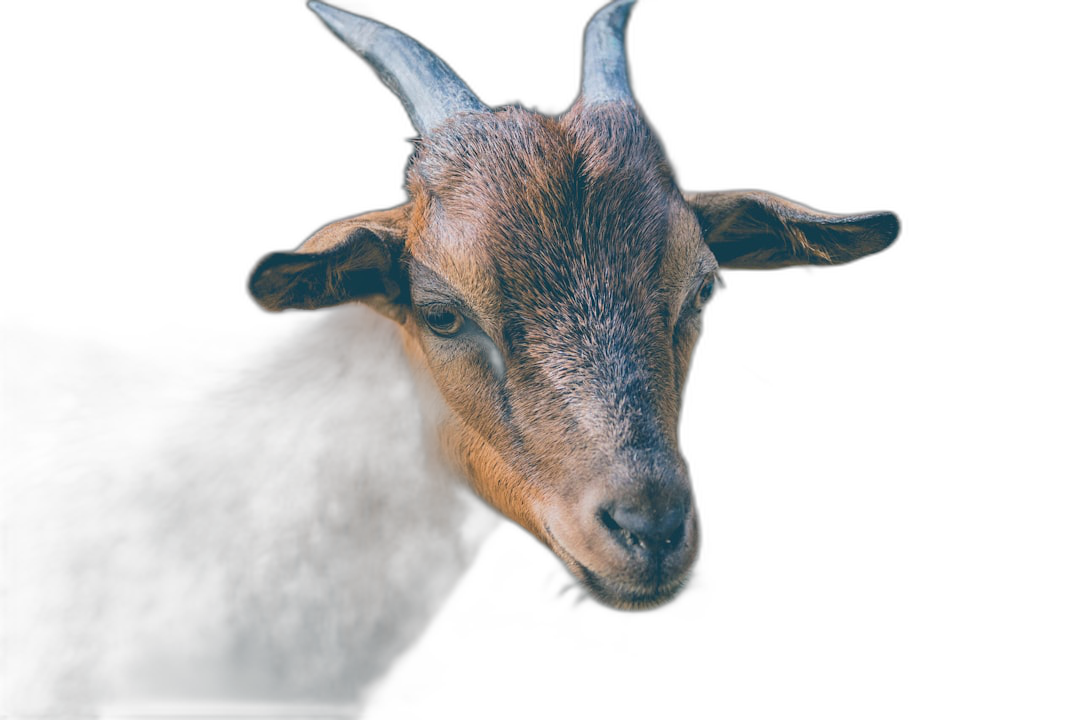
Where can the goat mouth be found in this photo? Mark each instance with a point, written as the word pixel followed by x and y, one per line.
pixel 623 596
pixel 619 593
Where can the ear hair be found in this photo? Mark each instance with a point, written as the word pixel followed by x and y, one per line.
pixel 752 229
pixel 357 258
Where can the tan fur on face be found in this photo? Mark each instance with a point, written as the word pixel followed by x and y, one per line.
pixel 572 251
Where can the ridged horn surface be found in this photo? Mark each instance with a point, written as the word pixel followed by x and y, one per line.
pixel 604 78
pixel 427 87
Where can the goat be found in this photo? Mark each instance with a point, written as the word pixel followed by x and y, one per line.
pixel 540 292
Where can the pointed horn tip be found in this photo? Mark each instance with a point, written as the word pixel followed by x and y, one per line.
pixel 327 13
pixel 614 6
pixel 333 16
pixel 346 25
pixel 341 22
pixel 611 18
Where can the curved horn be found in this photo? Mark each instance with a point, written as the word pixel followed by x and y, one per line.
pixel 604 78
pixel 426 86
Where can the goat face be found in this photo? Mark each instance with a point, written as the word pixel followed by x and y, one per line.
pixel 556 291
pixel 550 277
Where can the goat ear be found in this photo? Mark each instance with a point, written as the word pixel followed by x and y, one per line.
pixel 755 230
pixel 357 258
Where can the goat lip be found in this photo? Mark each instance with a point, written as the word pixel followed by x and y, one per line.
pixel 619 594
pixel 624 596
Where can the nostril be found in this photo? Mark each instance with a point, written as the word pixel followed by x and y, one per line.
pixel 675 529
pixel 609 522
pixel 636 528
pixel 628 537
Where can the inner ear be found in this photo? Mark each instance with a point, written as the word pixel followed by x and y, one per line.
pixel 358 258
pixel 751 229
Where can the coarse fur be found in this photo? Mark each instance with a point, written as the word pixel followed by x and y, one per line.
pixel 569 240
pixel 541 293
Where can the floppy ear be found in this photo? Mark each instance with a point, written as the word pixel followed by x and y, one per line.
pixel 358 258
pixel 755 230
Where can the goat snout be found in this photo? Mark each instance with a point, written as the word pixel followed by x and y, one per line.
pixel 632 549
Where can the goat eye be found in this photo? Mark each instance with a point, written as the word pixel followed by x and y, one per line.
pixel 704 291
pixel 443 320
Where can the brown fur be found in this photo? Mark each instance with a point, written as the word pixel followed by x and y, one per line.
pixel 567 224
pixel 338 470
pixel 358 469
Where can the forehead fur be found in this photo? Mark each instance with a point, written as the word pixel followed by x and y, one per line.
pixel 535 213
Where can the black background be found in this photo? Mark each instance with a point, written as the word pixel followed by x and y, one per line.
pixel 173 146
